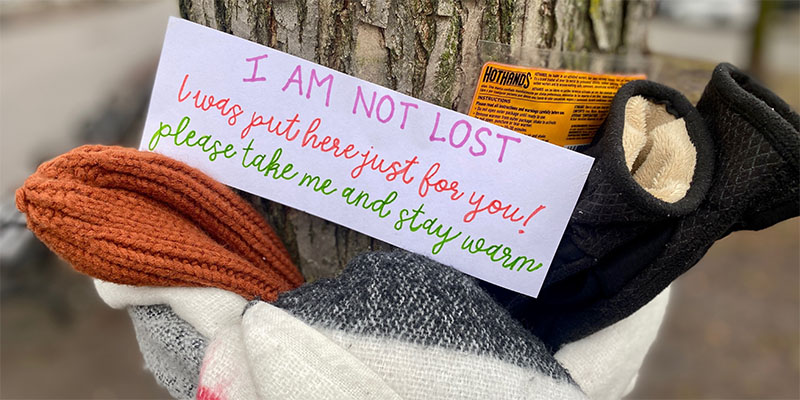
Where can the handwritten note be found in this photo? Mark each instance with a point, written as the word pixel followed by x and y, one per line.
pixel 483 199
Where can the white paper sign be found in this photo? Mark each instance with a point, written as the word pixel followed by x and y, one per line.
pixel 488 201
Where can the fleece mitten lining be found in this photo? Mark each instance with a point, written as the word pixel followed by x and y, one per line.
pixel 658 151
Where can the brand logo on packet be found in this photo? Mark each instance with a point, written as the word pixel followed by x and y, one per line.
pixel 508 78
pixel 564 108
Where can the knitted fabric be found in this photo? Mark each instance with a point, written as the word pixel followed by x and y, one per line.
pixel 273 355
pixel 206 309
pixel 604 364
pixel 140 218
pixel 173 327
pixel 398 323
pixel 172 349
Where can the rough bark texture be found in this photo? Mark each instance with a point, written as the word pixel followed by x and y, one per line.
pixel 428 49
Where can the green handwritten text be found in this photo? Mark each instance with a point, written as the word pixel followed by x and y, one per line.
pixel 213 148
pixel 499 253
pixel 362 198
pixel 273 166
pixel 430 227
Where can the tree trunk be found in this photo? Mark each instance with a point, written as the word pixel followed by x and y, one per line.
pixel 424 48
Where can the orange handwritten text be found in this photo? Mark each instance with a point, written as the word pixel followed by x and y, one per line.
pixel 392 171
pixel 496 206
pixel 440 185
pixel 208 102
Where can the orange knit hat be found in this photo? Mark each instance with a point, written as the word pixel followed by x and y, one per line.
pixel 140 218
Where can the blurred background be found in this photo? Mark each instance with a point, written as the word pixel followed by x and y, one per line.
pixel 74 72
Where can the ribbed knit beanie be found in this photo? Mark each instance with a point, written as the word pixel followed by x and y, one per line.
pixel 140 218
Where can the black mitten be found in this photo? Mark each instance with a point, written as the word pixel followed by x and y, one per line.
pixel 623 246
pixel 758 151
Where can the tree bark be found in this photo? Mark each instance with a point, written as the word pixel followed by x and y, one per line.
pixel 424 48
